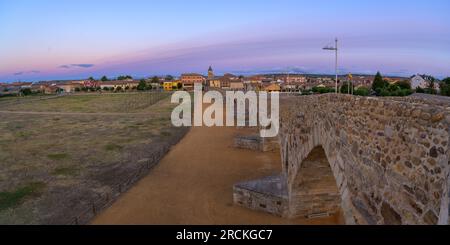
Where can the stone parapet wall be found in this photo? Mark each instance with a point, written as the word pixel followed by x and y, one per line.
pixel 389 157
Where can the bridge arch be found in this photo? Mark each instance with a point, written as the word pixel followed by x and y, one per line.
pixel 389 157
pixel 296 152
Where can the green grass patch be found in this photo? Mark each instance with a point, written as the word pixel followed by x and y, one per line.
pixel 14 198
pixel 58 156
pixel 113 147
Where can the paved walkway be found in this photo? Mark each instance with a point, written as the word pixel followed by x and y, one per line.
pixel 193 185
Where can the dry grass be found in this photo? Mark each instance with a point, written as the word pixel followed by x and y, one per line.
pixel 92 103
pixel 75 157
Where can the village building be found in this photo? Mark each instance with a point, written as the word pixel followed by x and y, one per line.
pixel 225 82
pixel 122 84
pixel 213 81
pixel 236 85
pixel 173 85
pixel 272 88
pixel 422 81
pixel 189 79
pixel 69 87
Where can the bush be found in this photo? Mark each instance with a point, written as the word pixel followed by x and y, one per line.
pixel 430 91
pixel 445 87
pixel 323 90
pixel 26 91
pixel 393 87
pixel 420 90
pixel 396 92
pixel 77 89
pixel 362 91
pixel 384 93
pixel 405 92
pixel 404 84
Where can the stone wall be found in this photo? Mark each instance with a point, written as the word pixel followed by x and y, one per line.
pixel 256 143
pixel 315 192
pixel 389 157
pixel 268 195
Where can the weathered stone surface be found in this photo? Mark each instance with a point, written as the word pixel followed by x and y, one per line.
pixel 389 156
pixel 390 216
pixel 256 143
pixel 399 139
pixel 268 194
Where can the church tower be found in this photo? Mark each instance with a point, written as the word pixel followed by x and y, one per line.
pixel 210 73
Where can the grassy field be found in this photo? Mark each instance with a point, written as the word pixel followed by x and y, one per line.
pixel 98 103
pixel 53 166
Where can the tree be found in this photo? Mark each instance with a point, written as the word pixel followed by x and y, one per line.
pixel 124 77
pixel 392 87
pixel 91 79
pixel 26 91
pixel 431 84
pixel 169 78
pixel 104 79
pixel 142 85
pixel 405 84
pixel 155 80
pixel 378 83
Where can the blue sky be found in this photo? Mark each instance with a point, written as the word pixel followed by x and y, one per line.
pixel 44 39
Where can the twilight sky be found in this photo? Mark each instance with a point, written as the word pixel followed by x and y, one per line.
pixel 45 39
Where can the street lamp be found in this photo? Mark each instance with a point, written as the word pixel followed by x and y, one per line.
pixel 335 48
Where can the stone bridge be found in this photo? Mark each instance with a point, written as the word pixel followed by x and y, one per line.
pixel 387 161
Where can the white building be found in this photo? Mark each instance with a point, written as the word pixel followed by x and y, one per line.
pixel 418 81
pixel 422 82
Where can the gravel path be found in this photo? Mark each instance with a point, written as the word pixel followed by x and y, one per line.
pixel 193 185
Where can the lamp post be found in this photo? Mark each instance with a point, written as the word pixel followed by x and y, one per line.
pixel 335 48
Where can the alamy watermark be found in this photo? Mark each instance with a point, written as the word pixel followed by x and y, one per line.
pixel 235 106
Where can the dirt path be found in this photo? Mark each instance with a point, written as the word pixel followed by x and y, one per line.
pixel 193 185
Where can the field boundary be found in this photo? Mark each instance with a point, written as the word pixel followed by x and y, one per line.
pixel 103 201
